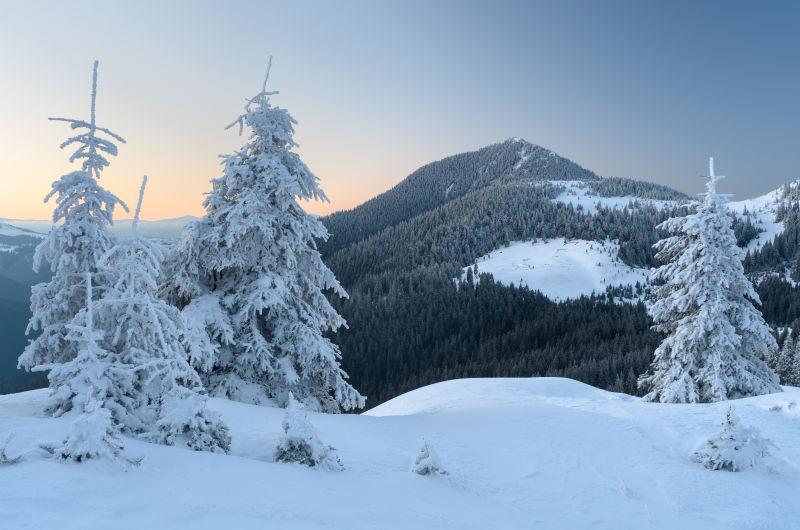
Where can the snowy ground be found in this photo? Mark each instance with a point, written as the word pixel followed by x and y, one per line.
pixel 561 269
pixel 578 194
pixel 522 453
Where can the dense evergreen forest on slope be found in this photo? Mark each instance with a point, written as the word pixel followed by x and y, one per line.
pixel 410 324
pixel 416 328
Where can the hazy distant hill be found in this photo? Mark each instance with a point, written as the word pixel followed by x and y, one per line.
pixel 16 277
pixel 161 229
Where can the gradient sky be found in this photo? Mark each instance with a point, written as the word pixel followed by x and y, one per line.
pixel 626 88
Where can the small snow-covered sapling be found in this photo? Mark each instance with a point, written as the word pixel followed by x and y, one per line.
pixel 300 443
pixel 427 462
pixel 735 448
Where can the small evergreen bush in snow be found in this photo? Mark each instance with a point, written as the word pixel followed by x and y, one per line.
pixel 300 443
pixel 93 436
pixel 735 448
pixel 427 462
pixel 184 415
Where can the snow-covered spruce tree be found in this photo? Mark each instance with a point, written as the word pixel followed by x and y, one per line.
pixel 735 448
pixel 427 462
pixel 155 390
pixel 783 363
pixel 78 239
pixel 249 270
pixel 79 387
pixel 716 339
pixel 300 443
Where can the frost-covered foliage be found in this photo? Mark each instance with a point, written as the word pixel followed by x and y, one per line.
pixel 79 388
pixel 786 362
pixel 427 462
pixel 300 443
pixel 148 344
pixel 735 448
pixel 184 416
pixel 93 436
pixel 250 270
pixel 78 239
pixel 716 339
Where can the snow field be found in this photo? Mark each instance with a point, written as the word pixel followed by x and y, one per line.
pixel 560 269
pixel 520 453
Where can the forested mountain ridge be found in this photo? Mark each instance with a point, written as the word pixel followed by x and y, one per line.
pixel 437 183
pixel 411 324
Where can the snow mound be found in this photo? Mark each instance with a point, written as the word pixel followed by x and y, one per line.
pixel 481 393
pixel 560 269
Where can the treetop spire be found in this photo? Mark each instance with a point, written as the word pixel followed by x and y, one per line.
pixel 91 146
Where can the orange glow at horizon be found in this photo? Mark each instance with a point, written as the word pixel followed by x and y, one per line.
pixel 176 186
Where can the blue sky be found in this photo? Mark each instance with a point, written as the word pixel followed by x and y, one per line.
pixel 626 88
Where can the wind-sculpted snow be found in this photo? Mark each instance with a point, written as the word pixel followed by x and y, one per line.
pixel 519 454
pixel 477 394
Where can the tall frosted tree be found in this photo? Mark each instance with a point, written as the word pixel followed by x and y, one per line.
pixel 249 273
pixel 155 392
pixel 79 237
pixel 716 340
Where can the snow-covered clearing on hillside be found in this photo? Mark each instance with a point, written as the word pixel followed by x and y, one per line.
pixel 520 453
pixel 762 212
pixel 559 268
pixel 578 194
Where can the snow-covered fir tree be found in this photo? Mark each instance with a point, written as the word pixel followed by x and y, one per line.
pixel 155 391
pixel 427 462
pixel 735 448
pixel 300 443
pixel 79 237
pixel 716 340
pixel 784 362
pixel 249 271
pixel 79 388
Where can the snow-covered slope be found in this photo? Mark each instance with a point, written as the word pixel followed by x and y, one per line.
pixel 762 211
pixel 521 453
pixel 578 194
pixel 559 268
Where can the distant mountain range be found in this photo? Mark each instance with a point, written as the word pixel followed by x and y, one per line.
pixel 567 250
pixel 161 229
